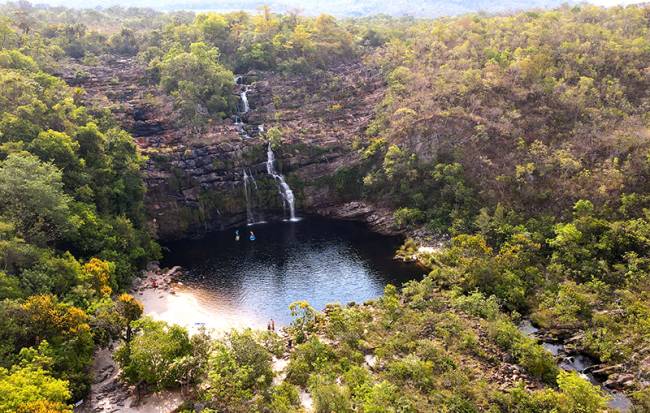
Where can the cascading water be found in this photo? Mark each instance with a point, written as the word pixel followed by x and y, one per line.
pixel 247 194
pixel 252 178
pixel 251 196
pixel 244 107
pixel 581 364
pixel 285 191
pixel 244 100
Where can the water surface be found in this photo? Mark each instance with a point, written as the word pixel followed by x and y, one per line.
pixel 246 283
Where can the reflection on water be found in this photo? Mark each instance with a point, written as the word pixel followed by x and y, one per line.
pixel 317 260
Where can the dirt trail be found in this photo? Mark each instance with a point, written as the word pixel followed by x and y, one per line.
pixel 108 394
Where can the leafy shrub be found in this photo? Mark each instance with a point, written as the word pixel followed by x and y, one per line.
pixel 412 370
pixel 533 357
pixel 239 370
pixel 329 397
pixel 477 305
pixel 310 357
pixel 408 217
pixel 159 355
pixel 578 395
pixel 385 397
pixel 285 398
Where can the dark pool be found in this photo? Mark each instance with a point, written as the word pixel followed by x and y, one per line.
pixel 318 260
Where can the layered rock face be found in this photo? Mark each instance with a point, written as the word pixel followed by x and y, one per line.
pixel 195 177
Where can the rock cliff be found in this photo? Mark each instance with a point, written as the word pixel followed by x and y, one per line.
pixel 195 177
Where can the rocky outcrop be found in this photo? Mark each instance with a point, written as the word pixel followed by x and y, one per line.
pixel 378 219
pixel 195 177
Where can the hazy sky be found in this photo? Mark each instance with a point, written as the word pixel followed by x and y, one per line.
pixel 332 6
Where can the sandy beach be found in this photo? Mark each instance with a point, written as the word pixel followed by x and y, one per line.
pixel 165 298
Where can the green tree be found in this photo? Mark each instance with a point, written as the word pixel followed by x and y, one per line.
pixel 33 198
pixel 130 310
pixel 125 181
pixel 239 369
pixel 304 317
pixel 124 42
pixel 214 28
pixel 155 355
pixel 7 35
pixel 113 319
pixel 201 86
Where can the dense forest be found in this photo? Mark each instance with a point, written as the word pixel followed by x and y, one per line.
pixel 520 142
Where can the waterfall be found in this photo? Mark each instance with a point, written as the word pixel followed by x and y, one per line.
pixel 244 100
pixel 285 191
pixel 252 178
pixel 244 107
pixel 252 198
pixel 247 194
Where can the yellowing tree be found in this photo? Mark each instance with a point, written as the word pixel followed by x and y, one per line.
pixel 98 273
pixel 29 389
